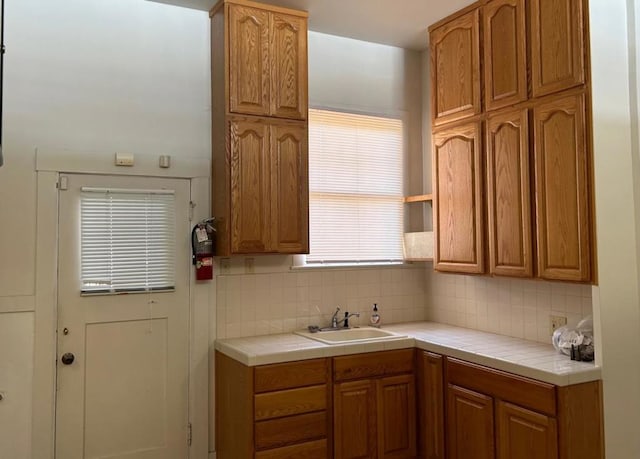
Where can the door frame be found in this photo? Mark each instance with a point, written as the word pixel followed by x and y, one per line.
pixel 49 166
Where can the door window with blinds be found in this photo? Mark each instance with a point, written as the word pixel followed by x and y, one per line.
pixel 127 240
pixel 356 184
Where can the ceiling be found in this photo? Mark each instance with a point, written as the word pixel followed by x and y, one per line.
pixel 401 23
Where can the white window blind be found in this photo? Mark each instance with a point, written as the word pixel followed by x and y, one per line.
pixel 356 168
pixel 127 240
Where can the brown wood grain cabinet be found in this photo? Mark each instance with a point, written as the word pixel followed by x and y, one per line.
pixel 505 52
pixel 494 414
pixel 375 406
pixel 259 130
pixel 562 189
pixel 431 425
pixel 262 415
pixel 469 424
pixel 535 88
pixel 509 195
pixel 557 45
pixel 455 69
pixel 267 62
pixel 355 434
pixel 458 206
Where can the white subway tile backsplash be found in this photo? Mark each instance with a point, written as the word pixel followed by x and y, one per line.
pixel 270 303
pixel 513 307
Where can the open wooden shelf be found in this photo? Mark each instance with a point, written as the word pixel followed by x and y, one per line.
pixel 419 198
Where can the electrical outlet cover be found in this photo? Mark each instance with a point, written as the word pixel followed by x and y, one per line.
pixel 557 322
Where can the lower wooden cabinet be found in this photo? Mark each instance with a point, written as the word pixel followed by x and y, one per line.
pixel 525 433
pixel 400 404
pixel 375 417
pixel 469 424
pixel 354 419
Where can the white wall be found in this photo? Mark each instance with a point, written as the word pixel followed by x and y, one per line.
pixel 84 78
pixel 617 176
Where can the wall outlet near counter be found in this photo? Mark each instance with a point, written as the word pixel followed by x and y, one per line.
pixel 556 322
pixel 225 266
pixel 249 265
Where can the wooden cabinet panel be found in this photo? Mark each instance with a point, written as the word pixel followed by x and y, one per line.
pixel 431 405
pixel 557 45
pixel 359 366
pixel 562 190
pixel 288 66
pixel 455 68
pixel 311 450
pixel 458 209
pixel 289 402
pixel 469 424
pixel 249 75
pixel 280 432
pixel 525 392
pixel 355 420
pixel 509 194
pixel 396 417
pixel 250 186
pixel 525 434
pixel 505 53
pixel 288 375
pixel 290 189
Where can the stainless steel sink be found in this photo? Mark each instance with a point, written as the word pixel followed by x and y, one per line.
pixel 351 335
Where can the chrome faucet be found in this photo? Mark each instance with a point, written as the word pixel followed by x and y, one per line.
pixel 335 323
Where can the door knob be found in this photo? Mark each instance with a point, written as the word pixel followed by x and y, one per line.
pixel 68 358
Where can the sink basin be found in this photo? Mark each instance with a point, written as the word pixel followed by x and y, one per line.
pixel 351 335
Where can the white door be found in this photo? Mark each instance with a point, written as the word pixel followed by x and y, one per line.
pixel 125 394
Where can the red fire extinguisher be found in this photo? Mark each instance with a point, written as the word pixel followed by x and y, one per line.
pixel 203 244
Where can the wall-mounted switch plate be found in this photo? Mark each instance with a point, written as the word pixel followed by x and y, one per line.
pixel 225 266
pixel 249 265
pixel 124 159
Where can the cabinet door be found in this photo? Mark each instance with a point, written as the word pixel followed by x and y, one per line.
pixel 562 191
pixel 525 434
pixel 396 417
pixel 557 45
pixel 354 420
pixel 289 189
pixel 250 186
pixel 248 48
pixel 288 54
pixel 455 69
pixel 509 194
pixel 458 222
pixel 431 406
pixel 469 424
pixel 505 53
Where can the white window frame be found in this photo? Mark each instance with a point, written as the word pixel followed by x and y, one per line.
pixel 300 261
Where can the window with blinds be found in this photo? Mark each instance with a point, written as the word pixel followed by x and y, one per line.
pixel 127 240
pixel 356 175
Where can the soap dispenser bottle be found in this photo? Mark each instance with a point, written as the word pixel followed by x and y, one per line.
pixel 375 317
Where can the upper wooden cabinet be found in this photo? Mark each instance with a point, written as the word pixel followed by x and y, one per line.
pixel 455 69
pixel 260 197
pixel 458 199
pixel 509 194
pixel 268 209
pixel 267 62
pixel 505 53
pixel 562 189
pixel 557 45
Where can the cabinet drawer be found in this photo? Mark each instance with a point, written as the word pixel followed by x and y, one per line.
pixel 312 450
pixel 373 364
pixel 290 402
pixel 289 375
pixel 528 393
pixel 275 433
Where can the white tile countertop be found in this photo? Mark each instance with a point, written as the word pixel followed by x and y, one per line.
pixel 518 356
